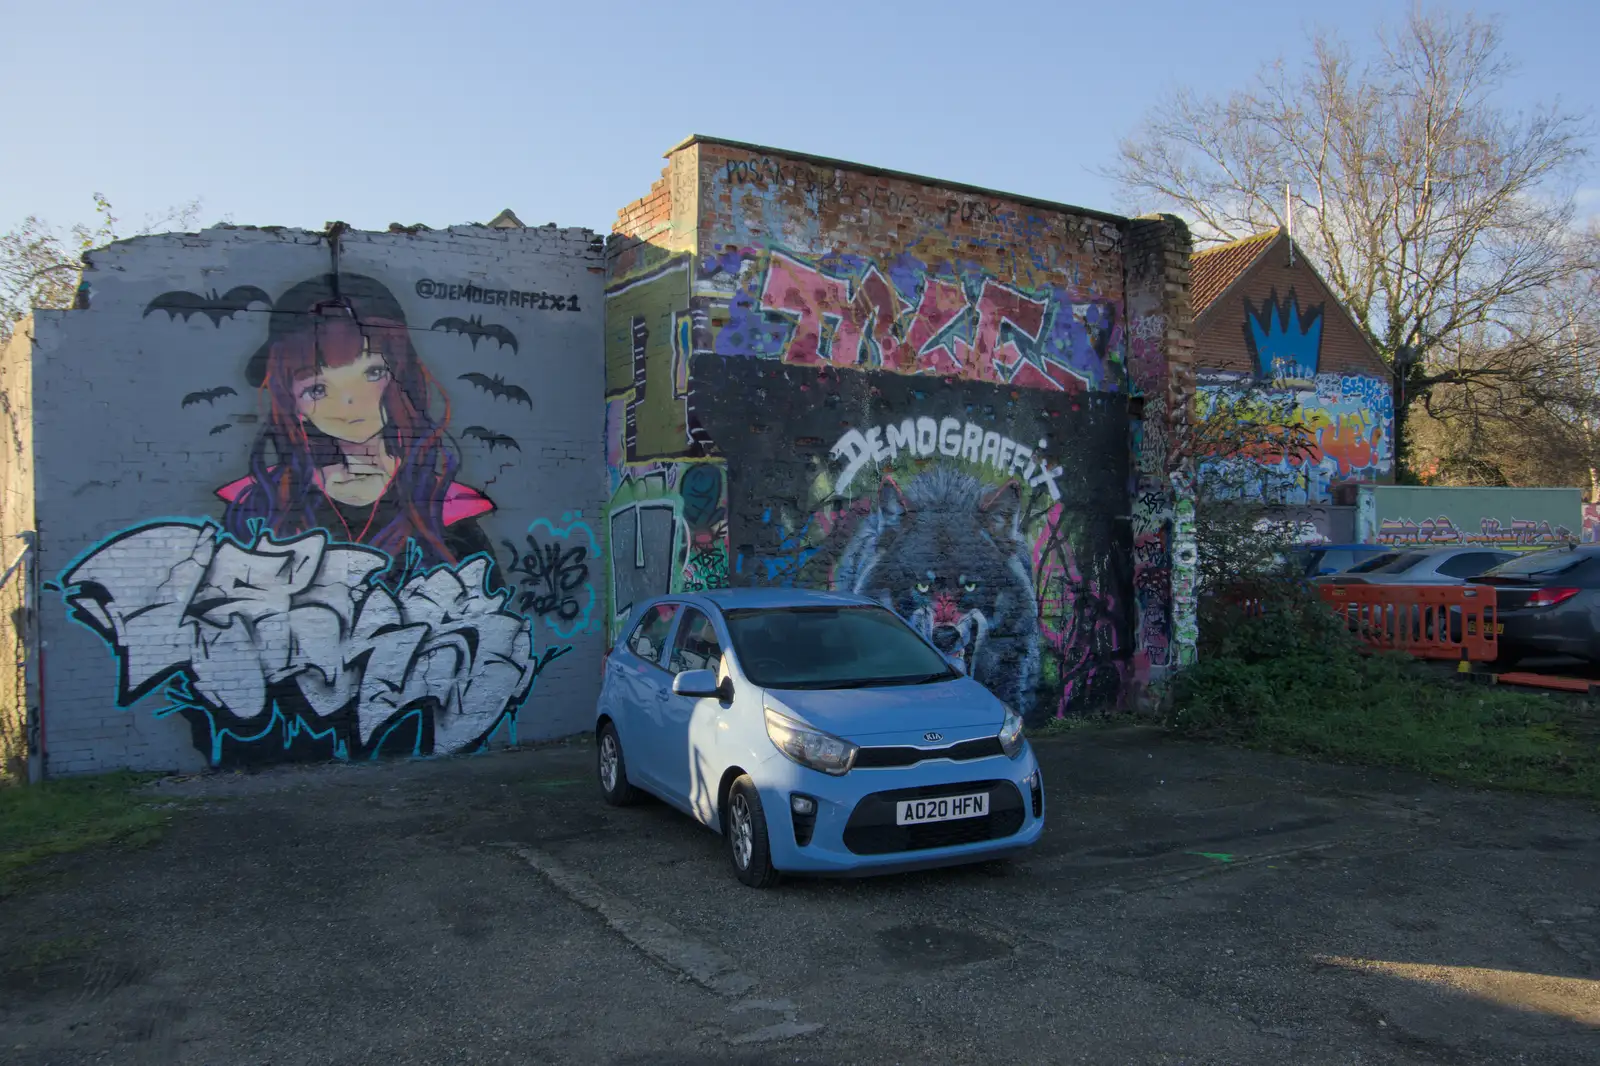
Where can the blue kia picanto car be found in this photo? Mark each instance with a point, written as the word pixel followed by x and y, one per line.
pixel 816 731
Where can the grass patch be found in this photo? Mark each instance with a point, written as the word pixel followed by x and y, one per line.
pixel 1055 727
pixel 60 817
pixel 1321 697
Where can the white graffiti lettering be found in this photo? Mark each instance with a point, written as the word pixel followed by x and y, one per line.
pixel 923 438
pixel 177 598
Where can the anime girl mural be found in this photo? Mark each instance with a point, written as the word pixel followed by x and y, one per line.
pixel 347 604
pixel 349 442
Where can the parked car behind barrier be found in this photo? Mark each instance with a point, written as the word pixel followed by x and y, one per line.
pixel 1314 560
pixel 1424 566
pixel 1548 603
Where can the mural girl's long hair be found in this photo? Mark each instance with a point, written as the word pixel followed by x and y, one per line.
pixel 331 322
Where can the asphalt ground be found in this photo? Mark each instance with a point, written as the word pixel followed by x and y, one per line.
pixel 1188 904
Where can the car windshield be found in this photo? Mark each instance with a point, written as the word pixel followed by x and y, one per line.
pixel 1535 563
pixel 1373 563
pixel 831 647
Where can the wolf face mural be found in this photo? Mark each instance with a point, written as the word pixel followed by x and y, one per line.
pixel 346 601
pixel 987 517
pixel 950 558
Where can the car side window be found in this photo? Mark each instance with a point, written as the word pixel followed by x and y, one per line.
pixel 697 646
pixel 1471 564
pixel 650 635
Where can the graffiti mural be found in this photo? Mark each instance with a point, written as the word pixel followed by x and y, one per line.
pixel 552 567
pixel 667 527
pixel 347 601
pixel 1285 343
pixel 984 516
pixel 1591 523
pixel 909 316
pixel 1439 531
pixel 1340 429
pixel 295 645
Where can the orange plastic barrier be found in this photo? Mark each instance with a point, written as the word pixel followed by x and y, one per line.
pixel 1428 621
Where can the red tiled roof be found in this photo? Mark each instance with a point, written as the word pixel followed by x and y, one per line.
pixel 1211 271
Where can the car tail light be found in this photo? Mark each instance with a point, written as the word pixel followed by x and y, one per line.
pixel 1551 596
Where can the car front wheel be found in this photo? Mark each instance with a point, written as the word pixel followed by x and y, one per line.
pixel 613 769
pixel 744 827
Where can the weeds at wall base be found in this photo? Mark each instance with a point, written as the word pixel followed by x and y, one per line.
pixel 38 822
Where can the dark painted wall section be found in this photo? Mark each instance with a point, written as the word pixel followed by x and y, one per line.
pixel 991 518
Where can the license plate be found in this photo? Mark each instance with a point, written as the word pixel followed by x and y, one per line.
pixel 1499 627
pixel 941 809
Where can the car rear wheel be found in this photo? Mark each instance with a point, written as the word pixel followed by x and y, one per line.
pixel 613 769
pixel 744 827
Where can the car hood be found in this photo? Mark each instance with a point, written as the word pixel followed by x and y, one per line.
pixel 958 708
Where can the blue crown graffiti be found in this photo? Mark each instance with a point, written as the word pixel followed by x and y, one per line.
pixel 1287 343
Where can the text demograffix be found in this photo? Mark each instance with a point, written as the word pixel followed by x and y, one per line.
pixel 925 437
pixel 469 293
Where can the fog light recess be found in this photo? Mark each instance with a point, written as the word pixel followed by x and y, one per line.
pixel 803 811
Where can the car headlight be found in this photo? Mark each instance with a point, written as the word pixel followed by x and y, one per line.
pixel 1011 734
pixel 810 748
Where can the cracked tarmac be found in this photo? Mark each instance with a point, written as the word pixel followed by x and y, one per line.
pixel 1188 904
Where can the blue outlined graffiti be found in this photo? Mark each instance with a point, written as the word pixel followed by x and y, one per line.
pixel 553 573
pixel 297 648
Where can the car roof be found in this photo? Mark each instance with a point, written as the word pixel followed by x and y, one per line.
pixel 780 597
pixel 1343 547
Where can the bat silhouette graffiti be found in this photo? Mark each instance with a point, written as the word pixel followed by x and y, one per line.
pixel 491 438
pixel 475 330
pixel 496 386
pixel 210 396
pixel 215 307
pixel 229 425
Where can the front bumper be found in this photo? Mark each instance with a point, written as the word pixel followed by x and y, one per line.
pixel 872 844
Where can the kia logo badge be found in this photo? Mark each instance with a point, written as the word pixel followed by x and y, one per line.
pixel 932 737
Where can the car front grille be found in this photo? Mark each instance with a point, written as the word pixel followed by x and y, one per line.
pixel 871 829
pixel 877 758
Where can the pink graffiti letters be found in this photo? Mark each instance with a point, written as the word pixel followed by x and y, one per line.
pixel 867 322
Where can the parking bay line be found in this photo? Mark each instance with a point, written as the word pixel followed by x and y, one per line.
pixel 670 946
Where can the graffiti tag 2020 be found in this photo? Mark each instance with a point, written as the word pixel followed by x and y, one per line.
pixel 295 644
pixel 894 487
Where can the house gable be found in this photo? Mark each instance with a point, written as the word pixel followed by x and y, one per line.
pixel 1274 315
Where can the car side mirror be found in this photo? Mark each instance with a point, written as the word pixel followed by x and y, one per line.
pixel 702 683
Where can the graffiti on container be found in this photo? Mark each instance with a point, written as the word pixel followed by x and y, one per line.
pixel 1520 533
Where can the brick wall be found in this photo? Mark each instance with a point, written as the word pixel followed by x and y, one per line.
pixel 1161 373
pixel 210 435
pixel 859 379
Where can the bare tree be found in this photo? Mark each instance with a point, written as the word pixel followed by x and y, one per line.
pixel 1439 218
pixel 41 267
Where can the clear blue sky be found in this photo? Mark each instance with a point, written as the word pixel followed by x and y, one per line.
pixel 296 113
